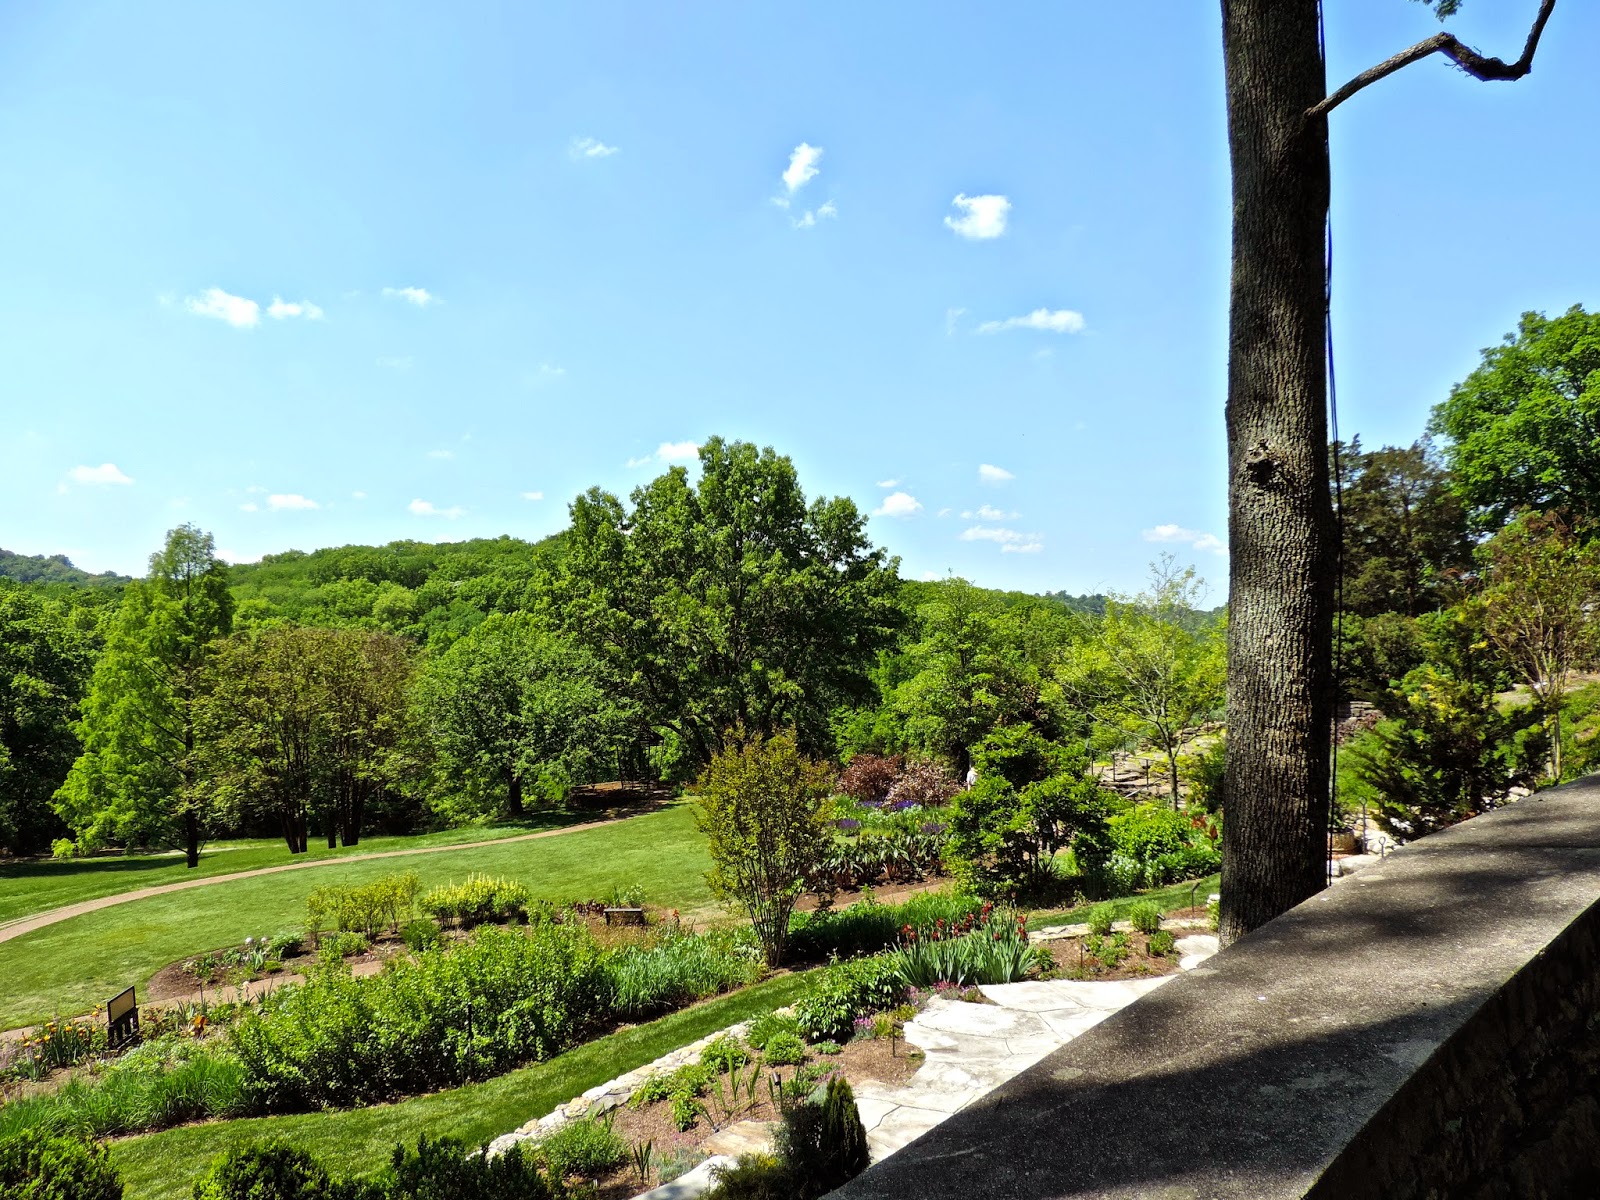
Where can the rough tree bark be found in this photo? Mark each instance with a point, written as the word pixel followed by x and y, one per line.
pixel 1281 533
pixel 1280 516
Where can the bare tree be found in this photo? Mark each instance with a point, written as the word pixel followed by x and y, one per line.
pixel 1280 520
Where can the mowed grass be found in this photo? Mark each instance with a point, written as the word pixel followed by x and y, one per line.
pixel 71 966
pixel 164 1166
pixel 1167 899
pixel 35 886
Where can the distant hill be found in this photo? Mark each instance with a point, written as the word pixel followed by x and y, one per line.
pixel 56 569
pixel 1092 605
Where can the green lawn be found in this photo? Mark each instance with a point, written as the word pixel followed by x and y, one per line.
pixel 164 1166
pixel 69 967
pixel 32 886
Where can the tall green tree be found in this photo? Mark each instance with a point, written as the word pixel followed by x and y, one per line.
pixel 1281 535
pixel 1148 671
pixel 514 704
pixel 138 777
pixel 45 663
pixel 1539 608
pixel 1406 546
pixel 1523 429
pixel 731 601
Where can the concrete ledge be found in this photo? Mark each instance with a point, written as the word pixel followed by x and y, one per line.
pixel 1427 1028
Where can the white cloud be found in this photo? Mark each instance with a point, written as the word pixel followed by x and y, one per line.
pixel 989 473
pixel 988 512
pixel 545 374
pixel 982 217
pixel 101 476
pixel 827 212
pixel 802 168
pixel 533 495
pixel 888 483
pixel 235 310
pixel 1177 534
pixel 588 147
pixel 931 577
pixel 898 504
pixel 251 506
pixel 944 512
pixel 678 451
pixel 1032 547
pixel 951 316
pixel 424 509
pixel 441 453
pixel 280 309
pixel 421 297
pixel 358 495
pixel 1061 320
pixel 642 461
pixel 991 533
pixel 290 500
pixel 395 364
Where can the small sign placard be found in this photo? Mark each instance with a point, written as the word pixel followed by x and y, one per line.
pixel 122 1019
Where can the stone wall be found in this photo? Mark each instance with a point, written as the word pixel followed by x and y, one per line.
pixel 1428 1028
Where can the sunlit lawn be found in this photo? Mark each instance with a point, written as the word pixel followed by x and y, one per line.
pixel 34 886
pixel 71 966
pixel 1166 899
pixel 164 1166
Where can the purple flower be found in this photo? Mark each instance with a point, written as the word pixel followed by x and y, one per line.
pixel 931 827
pixel 872 804
pixel 848 824
pixel 901 805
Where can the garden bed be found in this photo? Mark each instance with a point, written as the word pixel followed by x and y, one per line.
pixel 1120 955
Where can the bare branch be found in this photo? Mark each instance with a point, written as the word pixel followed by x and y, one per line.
pixel 1469 60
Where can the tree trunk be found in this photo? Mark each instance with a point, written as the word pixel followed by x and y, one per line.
pixel 514 795
pixel 1172 766
pixel 191 838
pixel 1280 517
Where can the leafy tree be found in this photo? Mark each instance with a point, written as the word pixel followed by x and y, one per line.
pixel 1406 548
pixel 45 662
pixel 1539 607
pixel 137 779
pixel 729 602
pixel 301 719
pixel 761 805
pixel 1280 521
pixel 514 703
pixel 1446 750
pixel 1145 672
pixel 1031 798
pixel 1524 428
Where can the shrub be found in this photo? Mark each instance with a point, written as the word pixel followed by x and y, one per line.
pixel 725 1053
pixel 39 1165
pixel 784 1050
pixel 271 1170
pixel 478 900
pixel 868 777
pixel 345 945
pixel 446 1170
pixel 828 1048
pixel 1162 943
pixel 751 1177
pixel 585 1147
pixel 362 908
pixel 824 1146
pixel 923 783
pixel 444 1017
pixel 679 970
pixel 63 848
pixel 1101 917
pixel 1148 846
pixel 421 934
pixel 286 943
pixel 866 928
pixel 843 991
pixel 1145 917
pixel 768 1025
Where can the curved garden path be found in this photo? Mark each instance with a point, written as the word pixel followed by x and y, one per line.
pixel 20 925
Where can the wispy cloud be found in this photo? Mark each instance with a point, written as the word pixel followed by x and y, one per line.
pixel 588 147
pixel 678 451
pixel 1177 534
pixel 1060 320
pixel 280 501
pixel 423 508
pixel 1028 547
pixel 802 168
pixel 951 317
pixel 103 475
pixel 281 309
pixel 545 373
pixel 395 364
pixel 358 495
pixel 898 504
pixel 1010 541
pixel 988 512
pixel 237 311
pixel 809 218
pixel 249 506
pixel 643 460
pixel 982 217
pixel 989 473
pixel 441 453
pixel 888 483
pixel 421 297
pixel 533 495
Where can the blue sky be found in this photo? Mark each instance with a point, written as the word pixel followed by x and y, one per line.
pixel 314 274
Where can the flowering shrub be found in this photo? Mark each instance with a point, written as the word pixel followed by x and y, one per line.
pixel 923 783
pixel 839 993
pixel 54 1044
pixel 478 900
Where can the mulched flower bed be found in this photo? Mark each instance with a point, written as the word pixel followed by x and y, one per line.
pixel 1075 958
